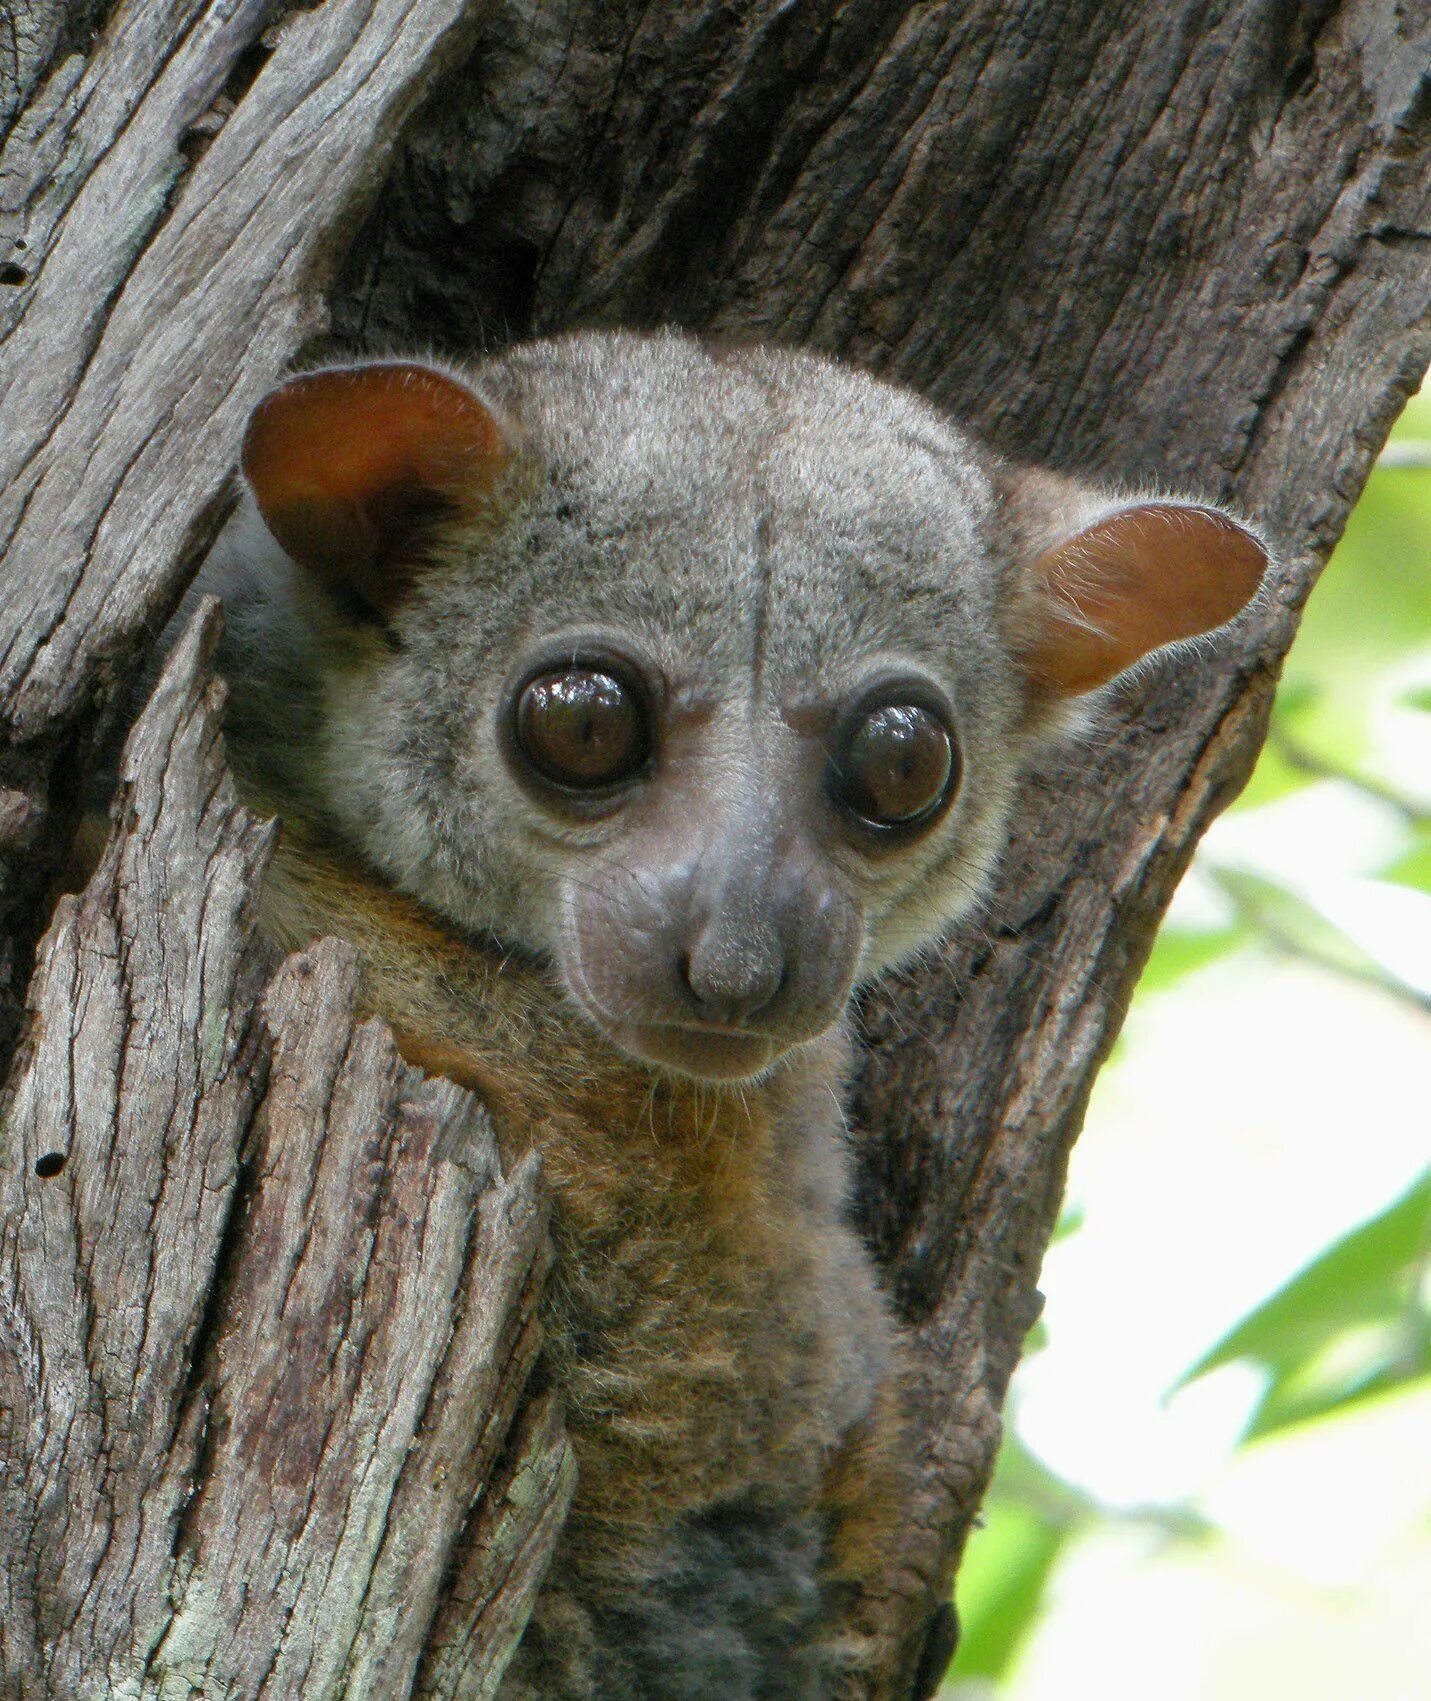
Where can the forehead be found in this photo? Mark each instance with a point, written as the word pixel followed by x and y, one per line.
pixel 758 506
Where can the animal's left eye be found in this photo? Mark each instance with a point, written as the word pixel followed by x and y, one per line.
pixel 582 727
pixel 897 766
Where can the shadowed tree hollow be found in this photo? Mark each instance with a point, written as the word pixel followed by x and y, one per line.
pixel 267 1300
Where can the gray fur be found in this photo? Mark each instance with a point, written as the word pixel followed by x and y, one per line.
pixel 756 520
pixel 731 1611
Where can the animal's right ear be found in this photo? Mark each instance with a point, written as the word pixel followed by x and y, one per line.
pixel 347 463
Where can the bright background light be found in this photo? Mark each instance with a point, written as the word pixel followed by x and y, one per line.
pixel 1270 1094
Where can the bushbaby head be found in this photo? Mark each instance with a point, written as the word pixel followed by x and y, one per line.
pixel 705 676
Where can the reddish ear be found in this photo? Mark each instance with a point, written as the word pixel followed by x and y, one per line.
pixel 345 463
pixel 1145 575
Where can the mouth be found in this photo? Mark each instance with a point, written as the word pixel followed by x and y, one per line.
pixel 703 1053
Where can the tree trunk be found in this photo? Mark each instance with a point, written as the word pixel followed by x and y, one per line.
pixel 266 1300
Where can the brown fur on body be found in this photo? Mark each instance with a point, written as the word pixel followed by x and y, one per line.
pixel 769 1383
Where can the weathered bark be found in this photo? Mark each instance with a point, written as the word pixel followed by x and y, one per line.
pixel 267 1304
pixel 1186 245
pixel 166 254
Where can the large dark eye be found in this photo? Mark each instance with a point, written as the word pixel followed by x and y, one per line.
pixel 582 727
pixel 897 767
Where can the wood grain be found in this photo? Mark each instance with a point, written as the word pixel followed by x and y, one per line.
pixel 268 1302
pixel 176 249
pixel 1182 245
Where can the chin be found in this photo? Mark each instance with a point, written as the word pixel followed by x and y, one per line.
pixel 714 1055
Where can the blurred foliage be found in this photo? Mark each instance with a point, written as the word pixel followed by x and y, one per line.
pixel 1413 867
pixel 1355 1322
pixel 1028 1521
pixel 1006 1571
pixel 1367 622
pixel 1353 711
pixel 1281 917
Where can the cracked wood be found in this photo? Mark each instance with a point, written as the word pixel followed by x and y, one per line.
pixel 1170 246
pixel 267 1302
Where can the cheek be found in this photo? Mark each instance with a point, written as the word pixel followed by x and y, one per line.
pixel 613 942
pixel 953 882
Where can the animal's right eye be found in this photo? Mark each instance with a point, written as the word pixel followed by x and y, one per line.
pixel 583 728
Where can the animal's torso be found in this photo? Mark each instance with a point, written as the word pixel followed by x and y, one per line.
pixel 715 1421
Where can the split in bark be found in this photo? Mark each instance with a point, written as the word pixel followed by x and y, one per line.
pixel 1188 249
pixel 269 1304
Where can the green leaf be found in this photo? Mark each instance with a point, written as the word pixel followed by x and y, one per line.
pixel 1272 779
pixel 1001 1587
pixel 1296 697
pixel 1354 1366
pixel 1028 1517
pixel 1179 951
pixel 1413 868
pixel 1288 921
pixel 1371 612
pixel 1354 1322
pixel 1070 1219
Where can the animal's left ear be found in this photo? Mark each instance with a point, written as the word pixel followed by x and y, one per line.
pixel 1105 583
